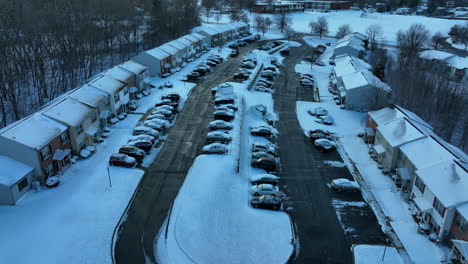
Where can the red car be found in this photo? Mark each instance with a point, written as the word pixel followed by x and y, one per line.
pixel 123 160
pixel 264 84
pixel 168 102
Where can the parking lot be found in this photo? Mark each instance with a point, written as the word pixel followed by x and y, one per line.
pixel 327 222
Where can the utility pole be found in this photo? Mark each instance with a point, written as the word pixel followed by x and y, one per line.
pixel 108 176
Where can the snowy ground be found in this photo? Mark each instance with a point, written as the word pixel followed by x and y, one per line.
pixel 74 222
pixel 457 46
pixel 211 219
pixel 390 23
pixel 371 254
pixel 347 125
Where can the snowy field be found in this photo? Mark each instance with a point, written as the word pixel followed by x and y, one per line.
pixel 74 222
pixel 390 23
pixel 347 125
pixel 370 254
pixel 212 220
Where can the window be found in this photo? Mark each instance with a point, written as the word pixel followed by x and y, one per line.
pixel 116 98
pixel 93 117
pixel 461 223
pixel 79 129
pixel 49 170
pixel 64 138
pixel 22 184
pixel 419 184
pixel 439 207
pixel 45 153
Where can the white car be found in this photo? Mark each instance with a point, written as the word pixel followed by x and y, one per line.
pixel 156 116
pixel 263 89
pixel 265 147
pixel 219 136
pixel 325 144
pixel 344 185
pixel 215 148
pixel 142 130
pixel 165 107
pixel 264 178
pixel 168 84
pixel 157 124
pixel 319 111
pixel 326 120
pixel 220 124
pixel 263 189
pixel 142 137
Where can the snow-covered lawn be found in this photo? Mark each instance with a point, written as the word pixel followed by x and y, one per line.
pixel 457 46
pixel 74 222
pixel 371 254
pixel 347 125
pixel 212 220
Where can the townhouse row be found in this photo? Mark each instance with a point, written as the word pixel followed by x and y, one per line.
pixel 431 174
pixel 166 59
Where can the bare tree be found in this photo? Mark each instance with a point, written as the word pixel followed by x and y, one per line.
pixel 268 22
pixel 437 39
pixel 290 33
pixel 410 42
pixel 374 32
pixel 343 30
pixel 283 20
pixel 217 17
pixel 263 27
pixel 320 27
pixel 259 21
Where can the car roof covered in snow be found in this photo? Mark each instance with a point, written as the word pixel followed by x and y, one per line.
pixel 68 111
pixel 399 132
pixel 385 115
pixel 34 131
pixel 261 176
pixel 107 84
pixel 133 67
pixel 12 171
pixel 451 59
pixel 158 53
pixel 433 152
pixel 349 64
pixel 447 180
pixel 118 73
pixel 89 95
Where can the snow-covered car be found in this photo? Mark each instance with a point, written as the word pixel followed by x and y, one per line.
pixel 177 69
pixel 267 85
pixel 327 120
pixel 211 63
pixel 265 81
pixel 264 131
pixel 220 124
pixel 132 105
pixel 142 144
pixel 142 130
pixel 266 163
pixel 156 116
pixel 324 144
pixel 240 76
pixel 183 65
pixel 215 148
pixel 154 124
pixel 193 76
pixel 331 61
pixel 266 202
pixel 143 137
pixel 166 113
pixel 118 159
pixel 307 83
pixel 165 107
pixel 263 89
pixel 224 100
pixel 229 107
pixel 168 84
pixel 218 136
pixel 175 97
pixel 264 189
pixel 165 75
pixel 223 115
pixel 319 111
pixel 133 152
pixel 326 132
pixel 319 63
pixel 248 65
pixel 234 53
pixel 268 75
pixel 344 185
pixel 315 136
pixel 168 102
pixel 264 178
pixel 265 147
pixel 262 154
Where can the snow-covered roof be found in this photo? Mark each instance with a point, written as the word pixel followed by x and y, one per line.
pixel 108 84
pixel 89 95
pixel 385 115
pixel 354 80
pixel 198 36
pixel 134 67
pixel 178 45
pixel 69 111
pixel 451 59
pixel 158 53
pixel 376 82
pixel 34 131
pixel 353 42
pixel 169 49
pixel 447 181
pixel 118 73
pixel 349 64
pixel 185 41
pixel 463 210
pixel 12 171
pixel 399 132
pixel 191 38
pixel 209 31
pixel 432 152
pixel 462 247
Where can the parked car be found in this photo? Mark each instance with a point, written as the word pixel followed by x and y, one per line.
pixel 264 178
pixel 234 53
pixel 264 81
pixel 224 100
pixel 220 124
pixel 267 76
pixel 315 136
pixel 233 46
pixel 240 76
pixel 262 154
pixel 344 185
pixel 211 63
pixel 266 85
pixel 193 76
pixel 307 83
pixel 168 84
pixel 320 63
pixel 165 75
pixel 266 202
pixel 263 89
pixel 309 58
pixel 241 43
pixel 215 148
pixel 219 136
pixel 324 144
pixel 264 189
pixel 326 132
pixel 265 147
pixel 248 65
pixel 165 107
pixel 142 144
pixel 201 71
pixel 264 131
pixel 118 159
pixel 156 116
pixel 326 120
pixel 133 151
pixel 318 111
pixel 331 61
pixel 175 105
pixel 156 124
pixel 142 130
pixel 143 137
pixel 285 52
pixel 175 97
pixel 132 105
pixel 232 107
pixel 265 163
pixel 223 115
pixel 168 114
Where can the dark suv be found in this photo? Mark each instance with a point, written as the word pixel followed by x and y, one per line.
pixel 133 151
pixel 175 97
pixel 266 202
pixel 266 163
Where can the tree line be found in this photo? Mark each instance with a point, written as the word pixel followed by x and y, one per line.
pixel 48 47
